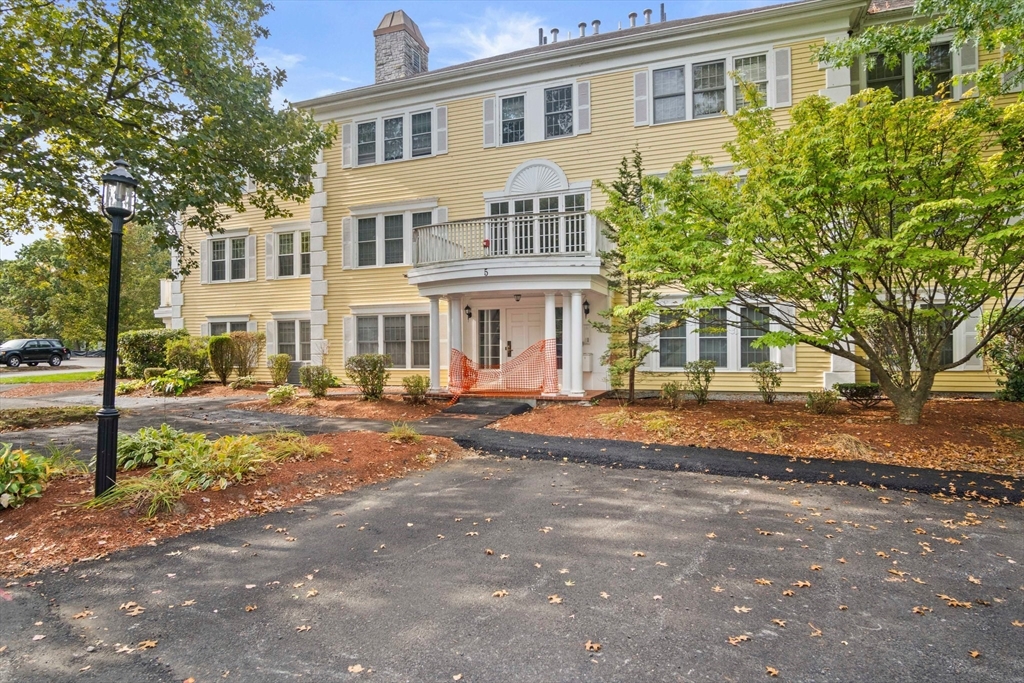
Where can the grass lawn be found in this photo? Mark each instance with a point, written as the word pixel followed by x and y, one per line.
pixel 81 376
pixel 30 418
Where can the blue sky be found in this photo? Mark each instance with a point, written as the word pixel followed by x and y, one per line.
pixel 327 45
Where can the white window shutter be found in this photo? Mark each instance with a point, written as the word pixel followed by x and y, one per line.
pixel 271 340
pixel 1011 76
pixel 969 332
pixel 271 262
pixel 786 355
pixel 204 262
pixel 348 326
pixel 250 326
pixel 583 107
pixel 490 134
pixel 441 214
pixel 441 118
pixel 250 253
pixel 348 244
pixel 968 64
pixel 783 77
pixel 640 115
pixel 204 329
pixel 443 338
pixel 346 145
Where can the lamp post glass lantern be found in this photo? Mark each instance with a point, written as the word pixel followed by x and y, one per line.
pixel 118 206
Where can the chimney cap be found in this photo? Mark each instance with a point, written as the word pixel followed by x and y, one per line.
pixel 400 21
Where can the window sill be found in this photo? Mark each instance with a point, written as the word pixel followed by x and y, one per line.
pixel 289 277
pixel 386 265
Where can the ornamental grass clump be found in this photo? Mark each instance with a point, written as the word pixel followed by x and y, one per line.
pixel 823 402
pixel 401 432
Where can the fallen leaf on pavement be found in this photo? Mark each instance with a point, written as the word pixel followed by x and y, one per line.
pixel 815 567
pixel 188 603
pixel 921 609
pixel 554 599
pixel 82 615
pixel 457 677
pixel 974 580
pixel 38 637
pixel 975 654
pixel 741 610
pixel 1018 623
pixel 606 596
pixel 762 582
pixel 711 535
pixel 815 631
pixel 736 640
pixel 802 584
pixel 788 593
pixel 781 623
pixel 499 594
pixel 355 668
pixel 147 644
pixel 718 589
pixel 637 553
pixel 251 608
pixel 302 628
pixel 592 646
pixel 772 671
pixel 488 551
pixel 132 609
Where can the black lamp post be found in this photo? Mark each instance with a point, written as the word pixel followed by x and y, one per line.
pixel 119 206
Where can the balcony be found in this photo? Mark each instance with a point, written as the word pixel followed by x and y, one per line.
pixel 544 235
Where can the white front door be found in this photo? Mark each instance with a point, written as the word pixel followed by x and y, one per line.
pixel 525 328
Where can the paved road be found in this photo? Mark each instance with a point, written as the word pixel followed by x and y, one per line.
pixel 403 590
pixel 75 364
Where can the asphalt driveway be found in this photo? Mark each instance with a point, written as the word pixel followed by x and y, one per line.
pixel 662 569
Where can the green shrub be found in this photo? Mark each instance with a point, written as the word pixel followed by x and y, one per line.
pixel 150 373
pixel 147 447
pixel 141 349
pixel 1006 354
pixel 129 387
pixel 246 348
pixel 189 353
pixel 22 476
pixel 767 378
pixel 370 373
pixel 280 366
pixel 281 394
pixel 672 392
pixel 416 387
pixel 98 377
pixel 244 382
pixel 221 361
pixel 861 394
pixel 823 402
pixel 316 378
pixel 401 432
pixel 175 382
pixel 698 379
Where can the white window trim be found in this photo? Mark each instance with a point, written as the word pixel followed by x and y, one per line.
pixel 227 318
pixel 908 67
pixel 406 116
pixel 730 83
pixel 533 111
pixel 227 236
pixel 293 317
pixel 380 312
pixel 378 211
pixel 296 229
pixel 732 335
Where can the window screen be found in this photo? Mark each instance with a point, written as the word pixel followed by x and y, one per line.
pixel 753 327
pixel 393 148
pixel 393 229
pixel 513 119
pixel 394 339
pixel 672 343
pixel 367 241
pixel 558 112
pixel 753 70
pixel 669 95
pixel 714 345
pixel 366 335
pixel 367 142
pixel 421 134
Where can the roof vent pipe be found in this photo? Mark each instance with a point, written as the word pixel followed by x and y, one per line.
pixel 583 29
pixel 596 23
pixel 540 36
pixel 664 17
pixel 554 35
pixel 632 19
pixel 647 16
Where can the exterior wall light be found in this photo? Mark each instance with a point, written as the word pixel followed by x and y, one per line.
pixel 469 311
pixel 518 297
pixel 586 308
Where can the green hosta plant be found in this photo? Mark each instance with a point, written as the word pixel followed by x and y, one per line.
pixel 22 476
pixel 281 395
pixel 147 447
pixel 175 382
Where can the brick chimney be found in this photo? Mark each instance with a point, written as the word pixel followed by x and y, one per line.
pixel 400 50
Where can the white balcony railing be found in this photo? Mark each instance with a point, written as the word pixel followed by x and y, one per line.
pixel 539 234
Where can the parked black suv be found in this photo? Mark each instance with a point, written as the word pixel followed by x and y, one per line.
pixel 33 351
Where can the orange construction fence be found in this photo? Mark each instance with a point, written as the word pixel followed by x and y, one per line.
pixel 533 371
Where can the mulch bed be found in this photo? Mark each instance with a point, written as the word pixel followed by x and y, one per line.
pixel 52 531
pixel 954 434
pixel 389 408
pixel 47 388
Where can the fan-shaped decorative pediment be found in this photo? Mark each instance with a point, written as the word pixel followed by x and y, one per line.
pixel 535 177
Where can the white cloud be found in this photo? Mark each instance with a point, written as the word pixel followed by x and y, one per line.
pixel 495 32
pixel 275 58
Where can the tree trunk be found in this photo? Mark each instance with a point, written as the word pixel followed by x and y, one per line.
pixel 909 403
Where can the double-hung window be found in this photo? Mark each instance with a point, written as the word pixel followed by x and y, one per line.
pixel 227 259
pixel 753 325
pixel 513 119
pixel 394 139
pixel 228 327
pixel 939 63
pixel 293 338
pixel 367 142
pixel 393 235
pixel 558 112
pixel 669 95
pixel 421 134
pixel 366 335
pixel 714 342
pixel 709 88
pixel 883 75
pixel 752 70
pixel 367 239
pixel 672 342
pixel 405 338
pixel 293 253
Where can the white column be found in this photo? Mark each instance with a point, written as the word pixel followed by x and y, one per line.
pixel 435 344
pixel 567 345
pixel 550 356
pixel 455 322
pixel 577 344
